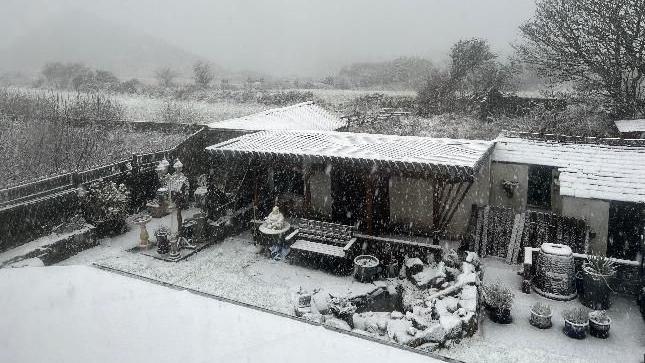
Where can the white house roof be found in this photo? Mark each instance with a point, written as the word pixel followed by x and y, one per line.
pixel 630 125
pixel 458 158
pixel 614 171
pixel 301 116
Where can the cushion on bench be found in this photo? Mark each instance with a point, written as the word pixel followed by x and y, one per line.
pixel 319 248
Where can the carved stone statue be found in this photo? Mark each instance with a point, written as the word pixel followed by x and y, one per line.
pixel 275 219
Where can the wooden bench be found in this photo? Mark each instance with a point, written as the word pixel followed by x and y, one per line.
pixel 322 238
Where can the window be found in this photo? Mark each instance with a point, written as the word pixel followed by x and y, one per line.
pixel 539 188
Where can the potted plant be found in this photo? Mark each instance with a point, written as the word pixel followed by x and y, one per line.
pixel 597 273
pixel 105 206
pixel 390 264
pixel 365 268
pixel 499 300
pixel 576 321
pixel 162 234
pixel 599 324
pixel 541 315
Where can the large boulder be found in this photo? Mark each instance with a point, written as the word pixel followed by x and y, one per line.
pixel 413 266
pixel 452 325
pixel 430 276
pixel 397 330
pixel 320 302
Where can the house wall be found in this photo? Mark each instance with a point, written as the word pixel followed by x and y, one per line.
pixel 479 194
pixel 321 201
pixel 411 202
pixel 595 213
pixel 507 171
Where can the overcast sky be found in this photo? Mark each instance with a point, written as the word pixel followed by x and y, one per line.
pixel 303 37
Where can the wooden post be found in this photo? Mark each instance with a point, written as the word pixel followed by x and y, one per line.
pixel 306 202
pixel 369 191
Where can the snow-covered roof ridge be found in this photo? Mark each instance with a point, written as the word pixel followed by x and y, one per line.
pixel 631 125
pixel 597 170
pixel 300 116
pixel 450 156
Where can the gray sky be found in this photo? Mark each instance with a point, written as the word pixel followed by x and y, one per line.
pixel 303 37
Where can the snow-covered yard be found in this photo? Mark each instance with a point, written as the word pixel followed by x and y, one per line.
pixel 234 269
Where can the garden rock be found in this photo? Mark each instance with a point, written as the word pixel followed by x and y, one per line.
pixel 469 292
pixel 452 325
pixel 396 315
pixel 430 276
pixel 313 317
pixel 413 266
pixel 472 258
pixel 320 302
pixel 451 303
pixel 434 333
pixel 397 330
pixel 469 324
pixel 337 324
pixel 468 304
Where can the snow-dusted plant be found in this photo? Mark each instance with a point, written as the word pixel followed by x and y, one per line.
pixel 341 306
pixel 576 315
pixel 600 265
pixel 600 317
pixel 541 308
pixel 498 296
pixel 106 201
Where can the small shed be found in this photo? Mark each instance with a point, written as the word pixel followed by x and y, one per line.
pixel 631 129
pixel 599 180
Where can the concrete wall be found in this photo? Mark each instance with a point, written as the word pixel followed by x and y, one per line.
pixel 321 201
pixel 411 202
pixel 507 171
pixel 479 194
pixel 596 213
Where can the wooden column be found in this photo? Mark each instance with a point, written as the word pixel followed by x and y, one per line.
pixel 306 175
pixel 369 203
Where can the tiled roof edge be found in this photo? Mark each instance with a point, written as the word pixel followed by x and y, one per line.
pixel 573 139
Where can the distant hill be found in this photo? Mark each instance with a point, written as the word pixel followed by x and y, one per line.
pixel 82 37
pixel 405 73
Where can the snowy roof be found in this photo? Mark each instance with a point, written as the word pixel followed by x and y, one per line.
pixel 301 116
pixel 457 158
pixel 630 125
pixel 614 170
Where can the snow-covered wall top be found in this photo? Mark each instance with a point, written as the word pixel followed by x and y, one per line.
pixel 630 125
pixel 301 116
pixel 450 156
pixel 587 170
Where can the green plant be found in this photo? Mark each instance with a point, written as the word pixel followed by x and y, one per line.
pixel 541 308
pixel 162 230
pixel 576 315
pixel 498 296
pixel 600 265
pixel 600 317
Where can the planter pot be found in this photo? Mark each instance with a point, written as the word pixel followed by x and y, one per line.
pixel 163 243
pixel 540 321
pixel 500 315
pixel 365 268
pixel 597 293
pixel 598 329
pixel 576 331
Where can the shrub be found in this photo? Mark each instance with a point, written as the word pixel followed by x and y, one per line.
pixel 576 315
pixel 498 296
pixel 600 265
pixel 600 316
pixel 106 201
pixel 541 308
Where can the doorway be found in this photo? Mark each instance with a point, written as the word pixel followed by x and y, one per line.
pixel 625 228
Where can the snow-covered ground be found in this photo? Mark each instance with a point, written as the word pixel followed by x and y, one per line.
pixel 521 342
pixel 233 269
pixel 83 314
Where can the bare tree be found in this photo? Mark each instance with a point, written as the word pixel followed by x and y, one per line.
pixel 597 44
pixel 202 74
pixel 165 76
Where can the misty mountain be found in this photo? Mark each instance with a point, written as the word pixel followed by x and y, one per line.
pixel 404 72
pixel 85 38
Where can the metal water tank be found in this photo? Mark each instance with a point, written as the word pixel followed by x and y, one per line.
pixel 555 272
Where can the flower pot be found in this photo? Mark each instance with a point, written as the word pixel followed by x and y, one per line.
pixel 500 315
pixel 597 292
pixel 540 321
pixel 365 268
pixel 598 329
pixel 163 243
pixel 576 331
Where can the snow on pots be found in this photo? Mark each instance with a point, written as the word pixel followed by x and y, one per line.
pixel 499 300
pixel 597 273
pixel 599 324
pixel 576 321
pixel 365 268
pixel 541 315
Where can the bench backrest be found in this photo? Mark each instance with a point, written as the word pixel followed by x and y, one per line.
pixel 325 231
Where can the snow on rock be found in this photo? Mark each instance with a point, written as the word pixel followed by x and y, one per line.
pixel 413 266
pixel 451 324
pixel 398 330
pixel 430 276
pixel 336 323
